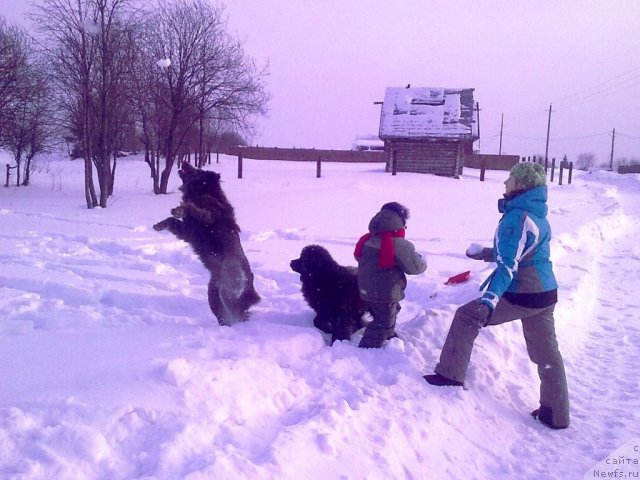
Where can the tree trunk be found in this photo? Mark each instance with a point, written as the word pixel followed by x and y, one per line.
pixel 18 158
pixel 169 159
pixel 153 160
pixel 200 162
pixel 104 178
pixel 156 177
pixel 164 177
pixel 89 188
pixel 27 171
pixel 113 173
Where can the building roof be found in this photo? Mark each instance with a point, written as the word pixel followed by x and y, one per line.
pixel 367 142
pixel 428 112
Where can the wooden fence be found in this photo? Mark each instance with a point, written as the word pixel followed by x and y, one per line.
pixel 629 169
pixel 307 154
pixel 490 162
pixel 9 168
pixel 480 161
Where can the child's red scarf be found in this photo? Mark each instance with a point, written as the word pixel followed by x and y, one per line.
pixel 387 250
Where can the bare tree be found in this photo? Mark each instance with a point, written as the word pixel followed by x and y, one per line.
pixel 29 130
pixel 585 161
pixel 13 61
pixel 231 89
pixel 147 102
pixel 197 76
pixel 87 43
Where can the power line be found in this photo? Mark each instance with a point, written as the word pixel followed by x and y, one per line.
pixel 630 137
pixel 601 94
pixel 581 137
pixel 595 91
pixel 612 85
pixel 489 137
pixel 522 137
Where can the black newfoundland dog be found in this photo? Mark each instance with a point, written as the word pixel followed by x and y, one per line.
pixel 331 290
pixel 205 220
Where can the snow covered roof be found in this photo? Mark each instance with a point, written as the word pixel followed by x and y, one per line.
pixel 367 142
pixel 428 112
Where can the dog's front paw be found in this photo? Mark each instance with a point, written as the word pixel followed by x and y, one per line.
pixel 178 212
pixel 163 225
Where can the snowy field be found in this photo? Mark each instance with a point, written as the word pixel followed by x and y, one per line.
pixel 112 366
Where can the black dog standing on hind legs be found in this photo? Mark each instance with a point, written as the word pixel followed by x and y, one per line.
pixel 331 290
pixel 205 220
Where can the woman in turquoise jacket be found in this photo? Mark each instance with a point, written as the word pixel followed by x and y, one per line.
pixel 522 287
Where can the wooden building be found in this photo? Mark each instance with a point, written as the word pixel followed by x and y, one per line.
pixel 428 130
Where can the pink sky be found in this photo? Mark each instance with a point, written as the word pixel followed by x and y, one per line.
pixel 330 60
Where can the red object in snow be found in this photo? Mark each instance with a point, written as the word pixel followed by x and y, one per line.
pixel 459 278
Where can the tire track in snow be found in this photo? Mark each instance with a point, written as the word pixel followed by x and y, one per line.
pixel 608 382
pixel 603 377
pixel 598 319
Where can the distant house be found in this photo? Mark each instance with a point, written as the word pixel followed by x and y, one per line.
pixel 367 142
pixel 429 129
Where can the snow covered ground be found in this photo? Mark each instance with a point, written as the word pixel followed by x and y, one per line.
pixel 112 366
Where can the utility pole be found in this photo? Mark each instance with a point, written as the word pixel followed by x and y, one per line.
pixel 478 110
pixel 546 151
pixel 501 125
pixel 380 123
pixel 613 139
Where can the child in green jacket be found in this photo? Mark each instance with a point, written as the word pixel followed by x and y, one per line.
pixel 384 258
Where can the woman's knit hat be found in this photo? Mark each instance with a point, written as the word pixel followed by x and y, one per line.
pixel 528 174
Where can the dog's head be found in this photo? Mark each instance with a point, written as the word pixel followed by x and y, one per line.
pixel 197 182
pixel 313 258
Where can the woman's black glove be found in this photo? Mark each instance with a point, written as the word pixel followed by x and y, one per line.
pixel 476 313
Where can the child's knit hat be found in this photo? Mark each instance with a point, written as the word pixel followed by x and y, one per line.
pixel 401 210
pixel 528 174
